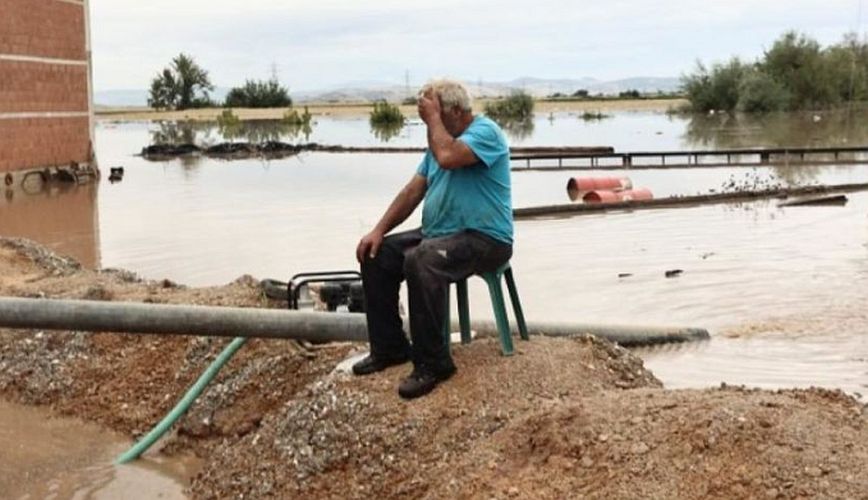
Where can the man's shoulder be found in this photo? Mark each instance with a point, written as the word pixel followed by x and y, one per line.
pixel 483 123
pixel 484 129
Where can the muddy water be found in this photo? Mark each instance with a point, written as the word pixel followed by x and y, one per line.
pixel 783 290
pixel 46 457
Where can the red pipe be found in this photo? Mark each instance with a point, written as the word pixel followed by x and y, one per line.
pixel 580 185
pixel 616 196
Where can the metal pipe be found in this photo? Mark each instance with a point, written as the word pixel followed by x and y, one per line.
pixel 129 317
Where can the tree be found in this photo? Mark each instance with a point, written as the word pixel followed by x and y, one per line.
pixel 797 62
pixel 259 94
pixel 181 85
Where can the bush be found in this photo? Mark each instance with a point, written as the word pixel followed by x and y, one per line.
pixel 259 94
pixel 795 73
pixel 581 94
pixel 386 114
pixel 630 94
pixel 716 89
pixel 518 106
pixel 760 93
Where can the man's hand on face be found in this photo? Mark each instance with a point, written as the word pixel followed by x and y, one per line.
pixel 429 107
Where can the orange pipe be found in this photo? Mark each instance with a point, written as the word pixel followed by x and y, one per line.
pixel 580 185
pixel 617 196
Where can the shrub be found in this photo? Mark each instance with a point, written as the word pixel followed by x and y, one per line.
pixel 630 94
pixel 259 94
pixel 518 106
pixel 581 94
pixel 716 89
pixel 386 114
pixel 760 93
pixel 795 73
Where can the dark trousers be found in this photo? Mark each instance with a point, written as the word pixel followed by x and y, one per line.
pixel 429 265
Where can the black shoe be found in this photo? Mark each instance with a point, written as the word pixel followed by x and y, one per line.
pixel 421 382
pixel 371 364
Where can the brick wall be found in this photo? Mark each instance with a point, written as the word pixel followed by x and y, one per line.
pixel 44 87
pixel 29 143
pixel 39 87
pixel 45 28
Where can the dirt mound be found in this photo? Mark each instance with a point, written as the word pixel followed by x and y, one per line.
pixel 348 436
pixel 569 417
pixel 726 443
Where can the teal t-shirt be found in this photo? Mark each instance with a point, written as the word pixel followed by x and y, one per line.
pixel 477 197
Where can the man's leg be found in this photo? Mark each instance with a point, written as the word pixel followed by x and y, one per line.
pixel 381 280
pixel 429 269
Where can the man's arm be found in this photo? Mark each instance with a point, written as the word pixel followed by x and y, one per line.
pixel 449 151
pixel 401 207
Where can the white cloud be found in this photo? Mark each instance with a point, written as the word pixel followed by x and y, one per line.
pixel 318 43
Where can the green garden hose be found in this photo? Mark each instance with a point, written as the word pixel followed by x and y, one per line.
pixel 183 405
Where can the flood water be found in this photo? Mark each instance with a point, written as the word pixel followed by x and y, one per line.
pixel 783 291
pixel 54 458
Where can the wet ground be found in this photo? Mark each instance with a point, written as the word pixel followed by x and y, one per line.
pixel 46 457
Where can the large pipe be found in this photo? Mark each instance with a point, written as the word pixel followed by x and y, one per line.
pixel 130 317
pixel 577 186
pixel 605 196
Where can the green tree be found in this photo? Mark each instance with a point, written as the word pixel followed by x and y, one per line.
pixel 259 94
pixel 798 63
pixel 182 85
pixel 714 89
pixel 760 93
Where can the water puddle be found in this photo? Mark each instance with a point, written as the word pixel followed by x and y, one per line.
pixel 54 458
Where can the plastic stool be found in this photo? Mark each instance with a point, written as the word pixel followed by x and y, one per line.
pixel 492 279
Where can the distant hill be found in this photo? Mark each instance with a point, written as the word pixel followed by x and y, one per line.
pixel 366 91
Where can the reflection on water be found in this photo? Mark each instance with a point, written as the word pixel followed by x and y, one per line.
pixel 209 133
pixel 63 217
pixel 259 131
pixel 46 457
pixel 803 129
pixel 385 132
pixel 517 130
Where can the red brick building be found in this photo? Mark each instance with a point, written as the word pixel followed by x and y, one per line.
pixel 46 115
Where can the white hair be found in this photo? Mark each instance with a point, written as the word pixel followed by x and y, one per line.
pixel 452 93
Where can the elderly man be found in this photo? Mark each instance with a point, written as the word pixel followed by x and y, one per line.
pixel 467 228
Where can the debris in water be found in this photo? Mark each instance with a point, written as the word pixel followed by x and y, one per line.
pixel 839 199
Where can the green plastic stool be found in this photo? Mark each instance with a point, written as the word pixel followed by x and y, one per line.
pixel 492 279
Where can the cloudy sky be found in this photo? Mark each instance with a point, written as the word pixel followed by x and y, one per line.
pixel 315 44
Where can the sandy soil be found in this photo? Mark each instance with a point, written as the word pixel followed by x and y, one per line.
pixel 363 109
pixel 563 418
